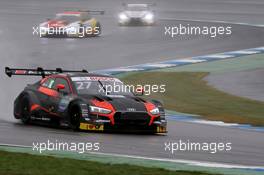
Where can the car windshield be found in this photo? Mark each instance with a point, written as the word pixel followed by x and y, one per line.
pixel 68 18
pixel 100 85
pixel 136 8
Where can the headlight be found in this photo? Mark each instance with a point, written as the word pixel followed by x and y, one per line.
pixel 154 111
pixel 123 16
pixel 99 110
pixel 149 16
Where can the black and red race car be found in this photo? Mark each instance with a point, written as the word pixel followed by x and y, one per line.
pixel 77 99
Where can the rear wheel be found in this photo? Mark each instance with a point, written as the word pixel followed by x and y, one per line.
pixel 75 116
pixel 25 110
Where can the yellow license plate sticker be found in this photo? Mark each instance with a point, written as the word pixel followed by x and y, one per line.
pixel 161 129
pixel 91 127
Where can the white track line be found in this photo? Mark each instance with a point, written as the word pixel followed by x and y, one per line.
pixel 189 162
pixel 249 52
pixel 159 65
pixel 214 21
pixel 221 56
pixel 182 161
pixel 189 61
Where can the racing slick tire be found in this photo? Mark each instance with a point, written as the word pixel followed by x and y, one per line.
pixel 74 117
pixel 25 110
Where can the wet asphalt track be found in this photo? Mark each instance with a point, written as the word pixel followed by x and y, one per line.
pixel 248 83
pixel 122 46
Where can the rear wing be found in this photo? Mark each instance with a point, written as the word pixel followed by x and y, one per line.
pixel 145 4
pixel 92 12
pixel 39 71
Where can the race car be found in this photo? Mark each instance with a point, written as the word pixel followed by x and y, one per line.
pixel 79 100
pixel 136 14
pixel 71 24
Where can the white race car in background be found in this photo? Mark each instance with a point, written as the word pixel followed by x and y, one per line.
pixel 136 14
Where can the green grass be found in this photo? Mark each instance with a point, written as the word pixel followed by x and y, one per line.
pixel 27 164
pixel 187 92
pixel 223 66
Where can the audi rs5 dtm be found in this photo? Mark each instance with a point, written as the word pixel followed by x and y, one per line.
pixel 76 99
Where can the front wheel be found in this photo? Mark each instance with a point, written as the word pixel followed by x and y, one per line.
pixel 75 116
pixel 25 110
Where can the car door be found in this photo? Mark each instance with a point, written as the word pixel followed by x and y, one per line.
pixel 59 102
pixel 46 91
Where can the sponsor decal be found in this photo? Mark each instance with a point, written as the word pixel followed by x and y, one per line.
pixel 95 79
pixel 20 72
pixel 91 127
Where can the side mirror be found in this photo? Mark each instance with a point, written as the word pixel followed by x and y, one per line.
pixel 60 87
pixel 139 92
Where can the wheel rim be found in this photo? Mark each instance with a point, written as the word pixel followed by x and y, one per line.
pixel 75 120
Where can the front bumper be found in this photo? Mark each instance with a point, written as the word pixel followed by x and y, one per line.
pixel 136 21
pixel 65 34
pixel 125 122
pixel 115 128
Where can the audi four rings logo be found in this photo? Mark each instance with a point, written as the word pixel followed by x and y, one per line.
pixel 131 109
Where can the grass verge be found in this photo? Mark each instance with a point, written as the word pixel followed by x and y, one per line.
pixel 187 92
pixel 27 164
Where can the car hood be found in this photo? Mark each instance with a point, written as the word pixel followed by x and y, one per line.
pixel 136 14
